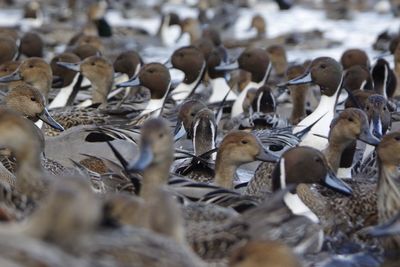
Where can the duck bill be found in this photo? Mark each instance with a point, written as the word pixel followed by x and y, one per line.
pixel 131 83
pixel 376 125
pixel 267 156
pixel 15 76
pixel 303 79
pixel 336 184
pixel 367 137
pixel 168 64
pixel 145 158
pixel 71 66
pixel 227 67
pixel 179 130
pixel 383 55
pixel 390 228
pixel 48 119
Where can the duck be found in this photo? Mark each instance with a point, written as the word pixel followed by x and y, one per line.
pixel 380 122
pixel 29 102
pixel 221 90
pixel 23 138
pixel 69 79
pixel 31 45
pixel 354 57
pixel 255 61
pixel 193 64
pixel 9 49
pixel 384 78
pixel 99 71
pixel 157 79
pixel 350 125
pixel 34 71
pixel 388 199
pixel 327 73
pixel 357 78
pixel 186 114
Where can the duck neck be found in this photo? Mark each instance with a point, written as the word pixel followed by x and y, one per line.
pixel 64 94
pixel 261 76
pixel 388 191
pixel 291 199
pixel 224 172
pixel 29 172
pixel 333 152
pixel 203 136
pixel 321 119
pixel 154 177
pixel 187 87
pixel 100 91
pixel 298 94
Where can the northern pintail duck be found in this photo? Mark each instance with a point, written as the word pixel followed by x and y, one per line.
pixel 380 122
pixel 192 63
pixel 99 71
pixel 357 77
pixel 187 113
pixel 354 57
pixel 128 63
pixel 9 49
pixel 34 71
pixel 388 189
pixel 23 139
pixel 29 102
pixel 157 79
pixel 384 78
pixel 255 61
pixel 351 125
pixel 31 45
pixel 220 88
pixel 68 79
pixel 327 74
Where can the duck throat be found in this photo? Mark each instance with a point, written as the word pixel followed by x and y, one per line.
pixel 100 91
pixel 319 121
pixel 334 151
pixel 298 93
pixel 154 177
pixel 187 87
pixel 292 200
pixel 224 172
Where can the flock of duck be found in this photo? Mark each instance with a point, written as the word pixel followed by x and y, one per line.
pixel 249 160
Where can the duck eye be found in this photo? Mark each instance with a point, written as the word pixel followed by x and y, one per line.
pixel 397 138
pixel 192 114
pixel 367 108
pixel 384 108
pixel 350 119
pixel 244 142
pixel 93 63
pixel 318 160
pixel 33 98
pixel 161 135
pixel 30 66
pixel 323 66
